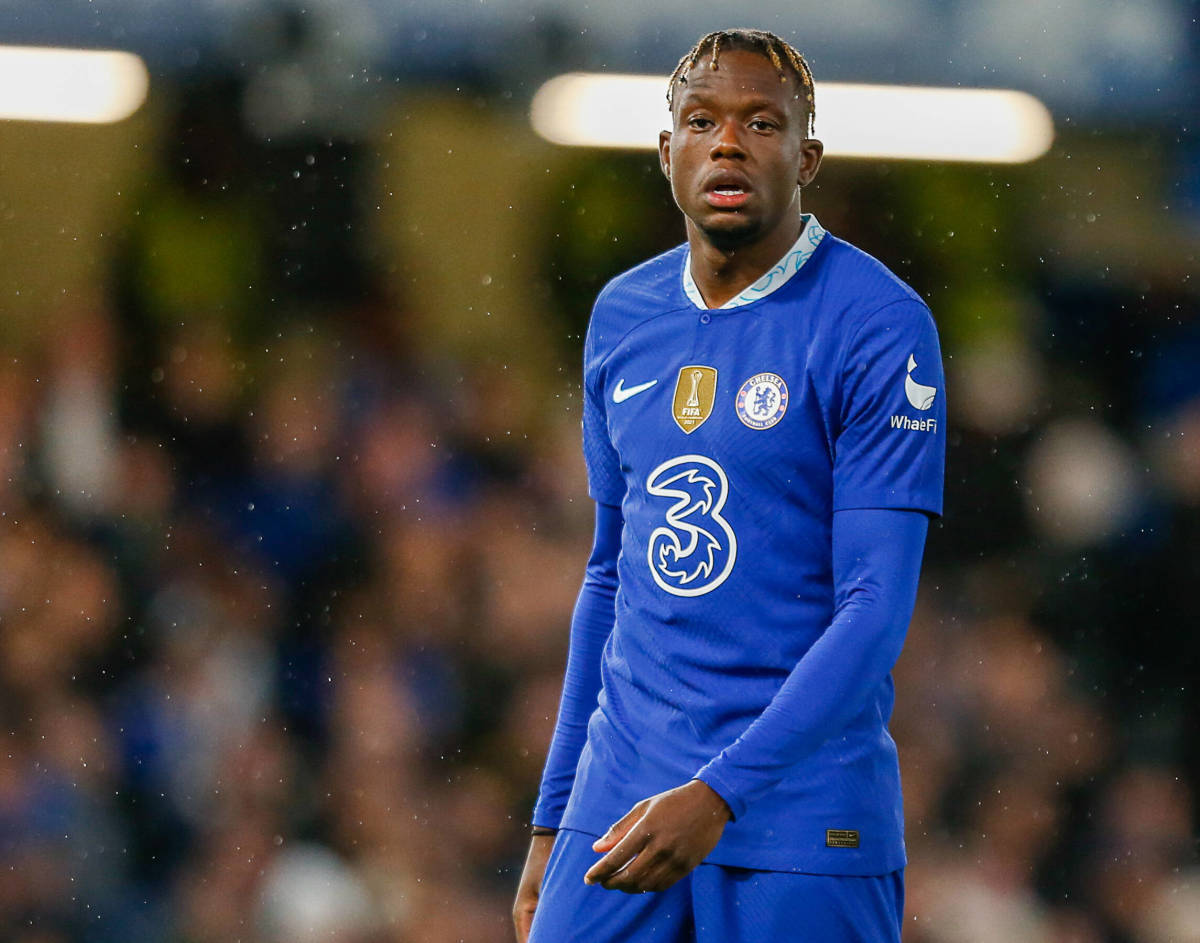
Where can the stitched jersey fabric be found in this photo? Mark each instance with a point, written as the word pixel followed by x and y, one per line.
pixel 729 439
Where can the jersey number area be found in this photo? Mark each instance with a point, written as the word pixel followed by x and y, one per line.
pixel 693 552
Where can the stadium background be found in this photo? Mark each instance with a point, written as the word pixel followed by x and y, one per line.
pixel 292 510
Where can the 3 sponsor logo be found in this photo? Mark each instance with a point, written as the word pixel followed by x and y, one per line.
pixel 693 551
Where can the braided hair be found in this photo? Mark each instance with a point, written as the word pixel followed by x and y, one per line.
pixel 782 55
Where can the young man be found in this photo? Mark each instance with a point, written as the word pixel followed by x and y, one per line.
pixel 763 425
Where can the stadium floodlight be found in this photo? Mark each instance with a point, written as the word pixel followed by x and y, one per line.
pixel 82 86
pixel 881 121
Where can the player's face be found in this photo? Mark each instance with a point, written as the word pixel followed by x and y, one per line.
pixel 738 150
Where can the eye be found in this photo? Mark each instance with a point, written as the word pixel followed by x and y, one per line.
pixel 699 122
pixel 762 124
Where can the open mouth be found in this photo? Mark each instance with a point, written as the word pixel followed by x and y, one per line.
pixel 726 195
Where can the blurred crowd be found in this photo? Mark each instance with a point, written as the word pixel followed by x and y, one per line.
pixel 284 607
pixel 278 662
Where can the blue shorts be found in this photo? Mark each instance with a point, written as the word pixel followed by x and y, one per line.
pixel 714 904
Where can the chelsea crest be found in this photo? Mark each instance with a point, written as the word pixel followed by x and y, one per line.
pixel 762 400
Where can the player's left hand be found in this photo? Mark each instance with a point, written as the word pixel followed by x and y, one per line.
pixel 660 839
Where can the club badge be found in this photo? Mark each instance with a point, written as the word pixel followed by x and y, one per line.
pixel 762 400
pixel 695 393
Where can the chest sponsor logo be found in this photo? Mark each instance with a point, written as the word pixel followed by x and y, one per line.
pixel 695 393
pixel 762 400
pixel 693 551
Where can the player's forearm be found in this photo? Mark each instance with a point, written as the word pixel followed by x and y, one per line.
pixel 877 560
pixel 591 624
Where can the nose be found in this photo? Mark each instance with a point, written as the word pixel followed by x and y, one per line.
pixel 727 142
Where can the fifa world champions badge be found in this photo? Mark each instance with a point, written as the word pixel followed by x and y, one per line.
pixel 695 393
pixel 762 400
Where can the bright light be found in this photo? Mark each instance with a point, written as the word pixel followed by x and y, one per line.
pixel 966 124
pixel 85 86
pixel 881 121
pixel 590 110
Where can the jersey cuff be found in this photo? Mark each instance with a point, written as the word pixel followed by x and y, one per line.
pixel 712 779
pixel 545 816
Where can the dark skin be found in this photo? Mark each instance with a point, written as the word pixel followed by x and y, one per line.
pixel 738 125
pixel 736 159
pixel 530 887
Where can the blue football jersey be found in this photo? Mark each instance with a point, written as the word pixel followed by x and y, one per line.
pixel 728 437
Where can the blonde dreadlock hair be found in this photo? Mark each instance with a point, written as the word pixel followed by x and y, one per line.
pixel 782 55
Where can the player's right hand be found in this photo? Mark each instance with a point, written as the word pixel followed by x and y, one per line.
pixel 530 887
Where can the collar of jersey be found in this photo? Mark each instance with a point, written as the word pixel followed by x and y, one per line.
pixel 811 234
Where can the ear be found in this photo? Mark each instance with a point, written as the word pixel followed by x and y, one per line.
pixel 664 153
pixel 811 152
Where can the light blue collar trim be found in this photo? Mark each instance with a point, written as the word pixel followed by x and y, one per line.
pixel 793 260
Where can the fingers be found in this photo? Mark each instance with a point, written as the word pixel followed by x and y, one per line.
pixel 654 869
pixel 618 829
pixel 621 855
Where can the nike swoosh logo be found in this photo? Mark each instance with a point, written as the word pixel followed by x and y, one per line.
pixel 620 394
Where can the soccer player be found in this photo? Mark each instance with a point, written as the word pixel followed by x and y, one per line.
pixel 764 430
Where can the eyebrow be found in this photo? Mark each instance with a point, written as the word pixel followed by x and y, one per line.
pixel 692 97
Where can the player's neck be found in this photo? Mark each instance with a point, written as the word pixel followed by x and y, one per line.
pixel 722 273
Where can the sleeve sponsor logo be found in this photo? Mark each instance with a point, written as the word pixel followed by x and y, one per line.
pixel 919 397
pixel 914 425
